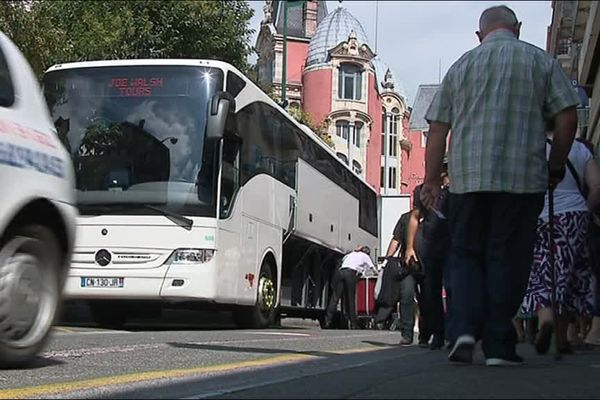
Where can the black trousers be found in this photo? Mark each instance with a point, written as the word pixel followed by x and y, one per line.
pixel 403 292
pixel 493 236
pixel 344 285
pixel 432 256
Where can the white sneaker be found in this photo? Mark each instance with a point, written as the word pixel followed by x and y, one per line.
pixel 514 361
pixel 462 352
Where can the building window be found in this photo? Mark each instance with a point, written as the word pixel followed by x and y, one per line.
pixel 382 180
pixel 349 82
pixel 349 132
pixel 564 45
pixel 395 120
pixel 342 157
pixel 356 167
pixel 341 129
pixel 393 144
pixel 392 178
pixel 356 133
pixel 383 130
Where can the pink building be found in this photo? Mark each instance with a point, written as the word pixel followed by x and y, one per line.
pixel 335 75
pixel 417 130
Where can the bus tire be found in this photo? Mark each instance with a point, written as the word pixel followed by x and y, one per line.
pixel 109 314
pixel 30 264
pixel 262 314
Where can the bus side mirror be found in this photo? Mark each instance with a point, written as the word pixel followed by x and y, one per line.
pixel 221 106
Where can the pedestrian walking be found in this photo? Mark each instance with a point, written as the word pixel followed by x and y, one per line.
pixel 344 283
pixel 389 293
pixel 428 241
pixel 399 284
pixel 573 275
pixel 493 99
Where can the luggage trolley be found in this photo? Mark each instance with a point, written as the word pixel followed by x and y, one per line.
pixel 365 301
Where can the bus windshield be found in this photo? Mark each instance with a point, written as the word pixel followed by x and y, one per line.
pixel 137 136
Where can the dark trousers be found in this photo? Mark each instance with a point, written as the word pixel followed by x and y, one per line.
pixel 431 303
pixel 344 285
pixel 493 236
pixel 405 294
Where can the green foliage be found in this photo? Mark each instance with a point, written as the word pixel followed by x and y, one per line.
pixel 300 115
pixel 54 31
pixel 305 118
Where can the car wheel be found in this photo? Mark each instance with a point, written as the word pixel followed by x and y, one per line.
pixel 30 262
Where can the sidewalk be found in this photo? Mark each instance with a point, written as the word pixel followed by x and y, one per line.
pixel 575 376
pixel 423 373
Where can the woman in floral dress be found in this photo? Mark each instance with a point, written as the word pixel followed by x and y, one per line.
pixel 574 279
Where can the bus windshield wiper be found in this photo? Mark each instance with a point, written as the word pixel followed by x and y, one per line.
pixel 178 219
pixel 104 208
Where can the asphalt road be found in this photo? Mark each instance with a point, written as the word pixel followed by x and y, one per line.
pixel 200 355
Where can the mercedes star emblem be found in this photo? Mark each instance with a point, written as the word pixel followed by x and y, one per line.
pixel 103 257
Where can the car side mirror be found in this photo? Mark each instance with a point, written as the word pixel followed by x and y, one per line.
pixel 220 108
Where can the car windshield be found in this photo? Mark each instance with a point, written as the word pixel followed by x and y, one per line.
pixel 137 136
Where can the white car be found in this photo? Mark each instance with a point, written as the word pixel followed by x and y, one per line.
pixel 37 218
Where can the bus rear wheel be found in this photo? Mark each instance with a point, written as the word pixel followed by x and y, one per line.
pixel 263 313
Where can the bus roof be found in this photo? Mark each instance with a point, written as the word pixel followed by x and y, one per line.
pixel 150 61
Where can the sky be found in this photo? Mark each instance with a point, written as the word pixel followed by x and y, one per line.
pixel 414 37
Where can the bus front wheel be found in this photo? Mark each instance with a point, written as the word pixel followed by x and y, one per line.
pixel 262 314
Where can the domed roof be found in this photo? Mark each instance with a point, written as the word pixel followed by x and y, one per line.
pixel 380 70
pixel 332 30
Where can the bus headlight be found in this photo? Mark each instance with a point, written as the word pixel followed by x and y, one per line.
pixel 191 256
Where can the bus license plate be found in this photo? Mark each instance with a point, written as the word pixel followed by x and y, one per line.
pixel 102 282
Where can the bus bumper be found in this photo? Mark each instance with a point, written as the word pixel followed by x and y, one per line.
pixel 167 282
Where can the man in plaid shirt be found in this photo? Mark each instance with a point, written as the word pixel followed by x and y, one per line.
pixel 495 99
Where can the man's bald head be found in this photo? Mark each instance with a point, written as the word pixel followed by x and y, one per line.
pixel 498 17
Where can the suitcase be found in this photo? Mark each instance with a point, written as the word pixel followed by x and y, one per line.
pixel 365 301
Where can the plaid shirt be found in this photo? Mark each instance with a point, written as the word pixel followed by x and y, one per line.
pixel 495 98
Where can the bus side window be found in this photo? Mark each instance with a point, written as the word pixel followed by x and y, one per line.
pixel 235 84
pixel 230 174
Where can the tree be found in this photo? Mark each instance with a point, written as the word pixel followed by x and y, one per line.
pixel 300 115
pixel 305 118
pixel 55 31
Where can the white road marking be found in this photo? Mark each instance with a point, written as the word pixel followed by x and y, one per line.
pixel 72 332
pixel 278 333
pixel 100 350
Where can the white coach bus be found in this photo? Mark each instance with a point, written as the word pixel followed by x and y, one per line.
pixel 194 187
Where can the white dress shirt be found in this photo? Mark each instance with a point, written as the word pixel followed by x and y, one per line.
pixel 357 261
